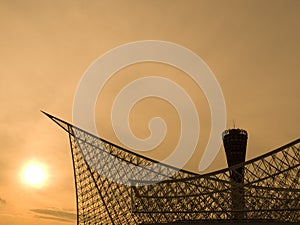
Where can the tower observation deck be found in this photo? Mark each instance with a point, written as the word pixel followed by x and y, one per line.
pixel 117 186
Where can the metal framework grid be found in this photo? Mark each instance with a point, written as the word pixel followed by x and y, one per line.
pixel 271 186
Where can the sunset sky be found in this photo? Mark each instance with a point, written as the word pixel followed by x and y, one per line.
pixel 252 46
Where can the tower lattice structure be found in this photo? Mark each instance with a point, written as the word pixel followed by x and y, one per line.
pixel 118 186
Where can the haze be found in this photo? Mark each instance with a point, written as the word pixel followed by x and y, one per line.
pixel 252 46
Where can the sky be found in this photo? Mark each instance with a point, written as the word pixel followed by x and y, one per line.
pixel 252 46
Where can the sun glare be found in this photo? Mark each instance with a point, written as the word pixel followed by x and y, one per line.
pixel 34 174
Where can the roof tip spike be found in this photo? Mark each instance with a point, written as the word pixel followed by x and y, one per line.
pixel 47 114
pixel 58 121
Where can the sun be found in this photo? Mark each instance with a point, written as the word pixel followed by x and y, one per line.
pixel 34 174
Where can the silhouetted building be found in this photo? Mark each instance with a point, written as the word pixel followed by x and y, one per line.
pixel 235 144
pixel 117 186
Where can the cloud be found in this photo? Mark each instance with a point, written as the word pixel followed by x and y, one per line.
pixel 2 201
pixel 54 215
pixel 51 218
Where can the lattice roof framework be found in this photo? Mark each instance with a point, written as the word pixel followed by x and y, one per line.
pixel 139 190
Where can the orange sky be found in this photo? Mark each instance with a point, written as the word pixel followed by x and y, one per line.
pixel 251 46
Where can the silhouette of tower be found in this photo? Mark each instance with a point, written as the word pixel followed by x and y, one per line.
pixel 235 143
